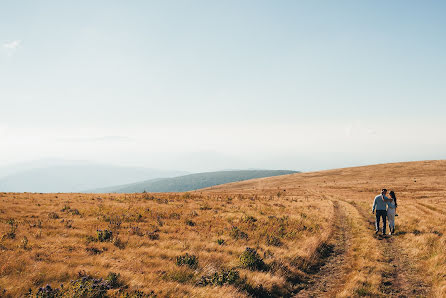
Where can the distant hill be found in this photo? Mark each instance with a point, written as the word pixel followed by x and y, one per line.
pixel 192 181
pixel 74 177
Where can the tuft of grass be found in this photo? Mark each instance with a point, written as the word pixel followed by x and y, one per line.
pixel 53 215
pixel 24 243
pixel 180 276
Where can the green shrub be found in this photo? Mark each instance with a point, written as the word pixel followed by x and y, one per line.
pixel 12 229
pixel 190 223
pixel 220 241
pixel 187 260
pixel 93 250
pixel 220 278
pixel 104 235
pixel 112 280
pixel 84 286
pixel 236 233
pixel 272 240
pixel 250 259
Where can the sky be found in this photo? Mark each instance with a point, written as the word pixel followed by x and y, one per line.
pixel 209 85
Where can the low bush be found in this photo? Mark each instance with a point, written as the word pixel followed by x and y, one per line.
pixel 236 233
pixel 190 223
pixel 135 230
pixel 46 292
pixel 93 250
pixel 272 240
pixel 251 260
pixel 187 260
pixel 224 277
pixel 104 235
pixel 118 243
pixel 84 286
pixel 112 280
pixel 12 229
pixel 68 209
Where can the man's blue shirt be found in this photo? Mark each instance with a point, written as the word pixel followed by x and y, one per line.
pixel 379 203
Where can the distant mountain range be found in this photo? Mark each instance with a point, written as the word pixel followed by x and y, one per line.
pixel 74 176
pixel 191 182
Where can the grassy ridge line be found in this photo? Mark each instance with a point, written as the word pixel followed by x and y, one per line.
pixel 191 182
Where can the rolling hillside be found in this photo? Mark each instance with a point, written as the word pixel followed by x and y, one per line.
pixel 191 182
pixel 299 235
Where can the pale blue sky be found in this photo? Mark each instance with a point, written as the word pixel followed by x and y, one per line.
pixel 204 85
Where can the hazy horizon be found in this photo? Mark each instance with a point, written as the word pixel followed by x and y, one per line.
pixel 210 85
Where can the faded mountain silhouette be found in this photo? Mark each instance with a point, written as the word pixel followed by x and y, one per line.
pixel 192 181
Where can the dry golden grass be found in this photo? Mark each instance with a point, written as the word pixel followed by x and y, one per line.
pixel 313 231
pixel 413 261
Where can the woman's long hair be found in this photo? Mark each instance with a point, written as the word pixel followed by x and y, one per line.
pixel 392 195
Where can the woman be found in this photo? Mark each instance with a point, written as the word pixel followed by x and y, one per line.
pixel 391 211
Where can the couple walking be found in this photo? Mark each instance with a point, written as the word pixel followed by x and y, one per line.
pixel 386 209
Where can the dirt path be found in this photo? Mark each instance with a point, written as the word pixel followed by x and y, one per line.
pixel 399 277
pixel 325 281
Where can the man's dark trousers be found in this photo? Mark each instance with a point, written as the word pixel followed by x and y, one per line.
pixel 379 214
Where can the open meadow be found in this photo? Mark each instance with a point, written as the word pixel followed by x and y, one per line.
pixel 298 235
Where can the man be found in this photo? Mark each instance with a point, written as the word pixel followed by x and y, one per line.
pixel 380 204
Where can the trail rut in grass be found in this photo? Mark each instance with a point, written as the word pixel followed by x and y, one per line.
pixel 399 278
pixel 325 280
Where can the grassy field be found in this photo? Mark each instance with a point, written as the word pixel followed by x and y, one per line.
pixel 306 234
